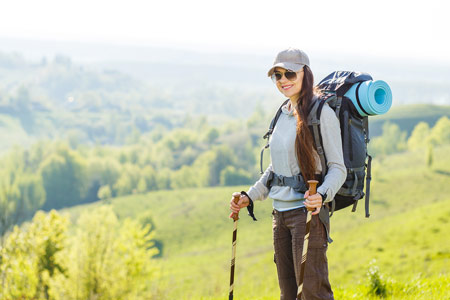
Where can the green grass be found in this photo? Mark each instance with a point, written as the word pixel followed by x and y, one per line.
pixel 407 235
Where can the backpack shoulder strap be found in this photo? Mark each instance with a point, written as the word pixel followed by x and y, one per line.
pixel 274 121
pixel 269 133
pixel 314 119
pixel 314 123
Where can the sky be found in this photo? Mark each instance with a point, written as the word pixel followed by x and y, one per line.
pixel 417 30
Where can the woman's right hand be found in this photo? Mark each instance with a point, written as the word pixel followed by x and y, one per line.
pixel 243 202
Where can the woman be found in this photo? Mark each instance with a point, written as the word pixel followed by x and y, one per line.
pixel 293 152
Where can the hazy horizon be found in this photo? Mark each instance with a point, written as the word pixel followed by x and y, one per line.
pixel 412 81
pixel 88 51
pixel 411 30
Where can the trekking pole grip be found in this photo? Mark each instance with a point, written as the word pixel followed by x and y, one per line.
pixel 236 197
pixel 312 189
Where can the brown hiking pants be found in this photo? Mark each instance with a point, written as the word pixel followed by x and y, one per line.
pixel 288 235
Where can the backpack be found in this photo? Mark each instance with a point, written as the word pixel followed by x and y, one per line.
pixel 354 135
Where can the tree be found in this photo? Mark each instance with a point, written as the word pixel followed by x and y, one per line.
pixel 163 179
pixel 106 259
pixel 209 165
pixel 150 176
pixel 10 212
pixel 429 155
pixel 32 193
pixel 128 180
pixel 232 176
pixel 391 141
pixel 30 256
pixel 185 177
pixel 104 193
pixel 178 139
pixel 419 136
pixel 212 135
pixel 142 185
pixel 103 171
pixel 124 185
pixel 22 105
pixel 440 134
pixel 64 178
pixel 21 194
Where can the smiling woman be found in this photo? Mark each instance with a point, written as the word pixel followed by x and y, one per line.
pixel 294 161
pixel 289 83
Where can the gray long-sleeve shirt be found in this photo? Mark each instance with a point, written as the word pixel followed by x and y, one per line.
pixel 284 160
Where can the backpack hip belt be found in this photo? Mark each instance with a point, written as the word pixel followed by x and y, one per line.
pixel 297 182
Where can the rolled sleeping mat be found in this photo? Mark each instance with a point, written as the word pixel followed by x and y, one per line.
pixel 371 97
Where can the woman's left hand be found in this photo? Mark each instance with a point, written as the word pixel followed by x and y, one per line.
pixel 313 202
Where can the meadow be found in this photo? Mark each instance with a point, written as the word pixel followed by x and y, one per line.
pixel 401 252
pixel 148 155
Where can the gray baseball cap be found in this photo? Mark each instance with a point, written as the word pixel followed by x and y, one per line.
pixel 290 59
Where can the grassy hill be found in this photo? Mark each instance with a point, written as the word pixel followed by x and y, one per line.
pixel 407 117
pixel 406 235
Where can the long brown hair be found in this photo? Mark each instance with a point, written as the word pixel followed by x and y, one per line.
pixel 304 144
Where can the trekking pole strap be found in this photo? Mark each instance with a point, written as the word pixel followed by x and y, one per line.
pixel 324 217
pixel 250 206
pixel 333 207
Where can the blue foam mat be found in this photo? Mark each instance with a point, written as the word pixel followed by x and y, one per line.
pixel 375 97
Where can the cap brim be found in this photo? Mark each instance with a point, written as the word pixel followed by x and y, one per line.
pixel 287 66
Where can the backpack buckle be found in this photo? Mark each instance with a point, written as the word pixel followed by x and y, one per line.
pixel 281 180
pixel 320 150
pixel 268 133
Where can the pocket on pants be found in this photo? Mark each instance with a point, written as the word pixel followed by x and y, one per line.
pixel 318 235
pixel 317 263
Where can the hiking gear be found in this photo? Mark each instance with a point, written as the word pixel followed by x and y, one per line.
pixel 235 217
pixel 324 196
pixel 290 59
pixel 296 182
pixel 312 190
pixel 269 133
pixel 370 97
pixel 290 75
pixel 355 137
pixel 250 206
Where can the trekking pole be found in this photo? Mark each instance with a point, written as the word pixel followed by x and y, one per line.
pixel 312 191
pixel 235 216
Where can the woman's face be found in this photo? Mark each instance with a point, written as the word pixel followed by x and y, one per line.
pixel 287 87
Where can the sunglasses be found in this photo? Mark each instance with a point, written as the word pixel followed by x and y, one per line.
pixel 290 75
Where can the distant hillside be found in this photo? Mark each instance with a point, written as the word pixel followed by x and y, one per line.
pixel 56 98
pixel 411 81
pixel 410 213
pixel 407 117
